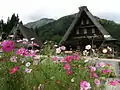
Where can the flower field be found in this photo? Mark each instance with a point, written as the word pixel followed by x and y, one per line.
pixel 50 68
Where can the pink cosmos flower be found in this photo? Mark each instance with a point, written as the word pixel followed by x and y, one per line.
pixel 22 52
pixel 118 81
pixel 84 85
pixel 97 81
pixel 55 58
pixel 92 69
pixel 31 53
pixel 101 64
pixel 68 58
pixel 93 75
pixel 62 60
pixel 19 40
pixel 106 71
pixel 69 72
pixel 76 57
pixel 67 66
pixel 24 42
pixel 13 70
pixel 35 44
pixel 113 83
pixel 8 45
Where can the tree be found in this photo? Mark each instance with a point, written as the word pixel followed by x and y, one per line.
pixel 11 22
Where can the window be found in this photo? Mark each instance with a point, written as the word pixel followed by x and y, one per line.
pixel 93 30
pixel 87 22
pixel 77 32
pixel 85 31
pixel 82 23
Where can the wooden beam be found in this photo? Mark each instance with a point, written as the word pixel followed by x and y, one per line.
pixel 80 37
pixel 88 26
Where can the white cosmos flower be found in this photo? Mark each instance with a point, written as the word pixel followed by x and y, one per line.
pixel 45 42
pixel 55 45
pixel 88 47
pixel 25 39
pixel 58 50
pixel 63 48
pixel 86 61
pixel 27 70
pixel 32 38
pixel 72 80
pixel 27 64
pixel 13 59
pixel 104 50
pixel 11 36
pixel 37 50
pixel 109 48
pixel 85 52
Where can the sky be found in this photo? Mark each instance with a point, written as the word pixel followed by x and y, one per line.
pixel 32 10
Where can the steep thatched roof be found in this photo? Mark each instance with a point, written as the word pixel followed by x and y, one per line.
pixel 82 9
pixel 29 33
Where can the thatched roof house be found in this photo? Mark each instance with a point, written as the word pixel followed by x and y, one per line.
pixel 84 30
pixel 20 32
pixel 29 33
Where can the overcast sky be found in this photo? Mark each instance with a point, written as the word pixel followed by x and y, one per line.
pixel 32 10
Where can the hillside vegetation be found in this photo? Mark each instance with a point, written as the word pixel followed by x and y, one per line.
pixel 39 23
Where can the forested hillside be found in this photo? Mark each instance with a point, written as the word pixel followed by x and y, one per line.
pixel 39 23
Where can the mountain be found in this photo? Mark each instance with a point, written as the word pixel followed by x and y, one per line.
pixel 39 23
pixel 56 29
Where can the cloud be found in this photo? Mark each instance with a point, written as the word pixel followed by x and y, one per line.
pixel 30 10
pixel 110 16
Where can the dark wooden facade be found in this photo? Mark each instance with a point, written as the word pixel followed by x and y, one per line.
pixel 85 30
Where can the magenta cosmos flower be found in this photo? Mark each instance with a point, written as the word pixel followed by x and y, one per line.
pixel 13 70
pixel 8 45
pixel 68 58
pixel 113 83
pixel 84 85
pixel 22 52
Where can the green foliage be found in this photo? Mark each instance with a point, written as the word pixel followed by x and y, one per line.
pixel 112 27
pixel 47 48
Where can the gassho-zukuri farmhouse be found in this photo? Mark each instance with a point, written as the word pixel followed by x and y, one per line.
pixel 86 30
